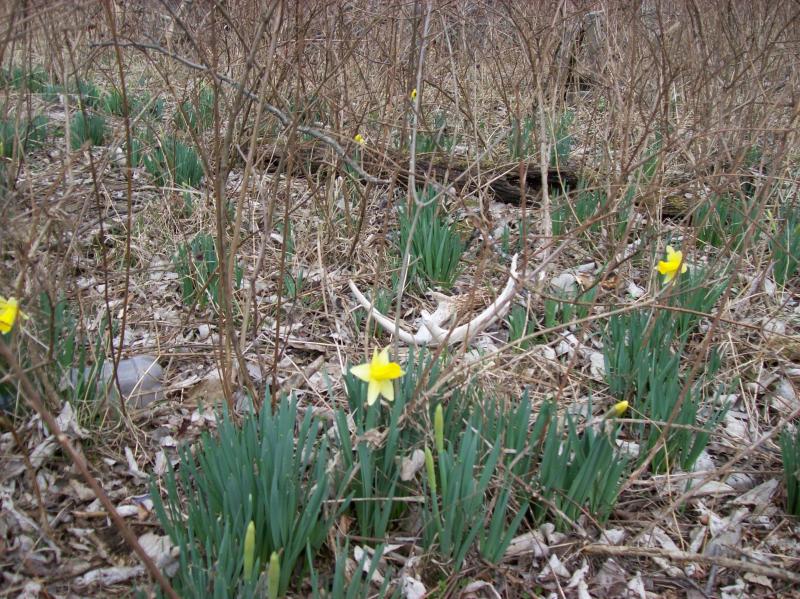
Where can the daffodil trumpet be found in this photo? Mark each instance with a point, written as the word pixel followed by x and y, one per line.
pixel 673 265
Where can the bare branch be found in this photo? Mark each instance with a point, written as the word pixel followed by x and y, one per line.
pixel 282 117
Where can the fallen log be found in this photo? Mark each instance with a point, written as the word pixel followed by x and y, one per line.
pixel 502 179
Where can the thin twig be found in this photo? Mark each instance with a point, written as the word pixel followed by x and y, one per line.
pixel 282 117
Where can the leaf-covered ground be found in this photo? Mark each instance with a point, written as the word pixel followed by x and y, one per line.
pixel 681 123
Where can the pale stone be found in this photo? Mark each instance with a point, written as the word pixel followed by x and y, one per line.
pixel 139 380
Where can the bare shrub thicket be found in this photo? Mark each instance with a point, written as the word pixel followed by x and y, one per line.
pixel 313 125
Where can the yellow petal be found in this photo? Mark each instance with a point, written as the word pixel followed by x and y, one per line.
pixel 672 265
pixel 382 358
pixel 387 390
pixel 9 308
pixel 663 267
pixel 362 371
pixel 373 391
pixel 674 256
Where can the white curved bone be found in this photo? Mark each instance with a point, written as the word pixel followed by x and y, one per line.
pixel 431 332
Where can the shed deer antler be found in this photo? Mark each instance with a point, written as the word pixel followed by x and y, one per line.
pixel 431 332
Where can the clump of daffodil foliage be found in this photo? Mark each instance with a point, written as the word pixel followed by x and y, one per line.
pixel 268 472
pixel 643 351
pixel 251 508
pixel 261 498
pixel 434 243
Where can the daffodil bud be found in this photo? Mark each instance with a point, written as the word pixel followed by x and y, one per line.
pixel 430 470
pixel 620 408
pixel 274 575
pixel 438 429
pixel 249 550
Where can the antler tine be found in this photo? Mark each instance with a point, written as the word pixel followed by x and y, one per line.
pixel 420 338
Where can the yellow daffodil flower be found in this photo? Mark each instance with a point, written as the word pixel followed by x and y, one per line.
pixel 359 139
pixel 619 408
pixel 672 266
pixel 9 311
pixel 379 374
pixel 413 94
